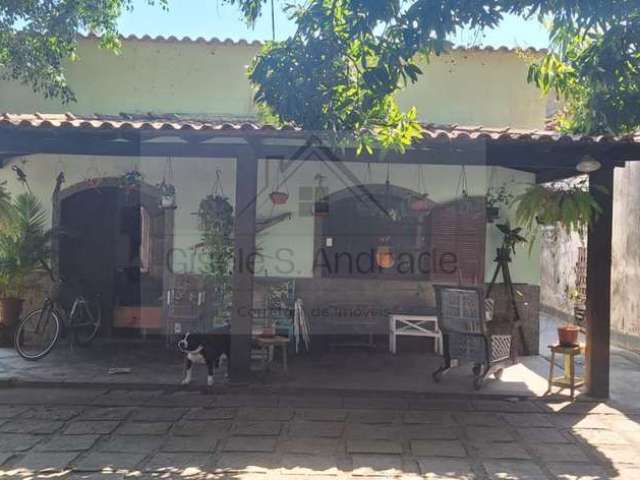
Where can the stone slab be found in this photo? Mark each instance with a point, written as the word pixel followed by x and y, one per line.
pixel 131 444
pixel 91 427
pixel 97 461
pixel 446 469
pixel 500 470
pixel 143 428
pixel 68 443
pixel 256 428
pixel 374 446
pixel 250 444
pixel 190 444
pixel 438 448
pixel 18 442
pixel 315 429
pixel 45 461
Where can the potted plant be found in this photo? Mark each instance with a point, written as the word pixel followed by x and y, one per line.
pixel 24 249
pixel 568 335
pixel 420 203
pixel 568 204
pixel 495 198
pixel 279 198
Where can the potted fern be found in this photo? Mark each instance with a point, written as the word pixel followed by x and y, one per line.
pixel 568 204
pixel 24 248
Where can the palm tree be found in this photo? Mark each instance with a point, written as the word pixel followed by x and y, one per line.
pixel 24 244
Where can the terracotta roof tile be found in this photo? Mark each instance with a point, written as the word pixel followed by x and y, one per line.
pixel 173 122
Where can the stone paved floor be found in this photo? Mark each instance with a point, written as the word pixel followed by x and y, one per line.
pixel 254 434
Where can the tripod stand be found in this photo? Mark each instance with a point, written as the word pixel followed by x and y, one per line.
pixel 503 259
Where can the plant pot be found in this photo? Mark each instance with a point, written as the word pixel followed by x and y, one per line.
pixel 268 332
pixel 384 257
pixel 492 214
pixel 568 335
pixel 321 208
pixel 419 204
pixel 279 198
pixel 10 310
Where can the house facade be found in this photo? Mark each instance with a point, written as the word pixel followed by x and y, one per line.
pixel 332 258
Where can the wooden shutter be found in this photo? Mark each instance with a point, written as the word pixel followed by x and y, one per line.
pixel 459 228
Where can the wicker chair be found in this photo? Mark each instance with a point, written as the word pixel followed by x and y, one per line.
pixel 463 321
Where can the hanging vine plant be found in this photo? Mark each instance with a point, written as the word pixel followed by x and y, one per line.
pixel 567 204
pixel 216 218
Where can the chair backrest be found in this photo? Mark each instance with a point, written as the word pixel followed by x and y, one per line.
pixel 460 309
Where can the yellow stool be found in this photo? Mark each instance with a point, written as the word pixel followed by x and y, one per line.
pixel 569 379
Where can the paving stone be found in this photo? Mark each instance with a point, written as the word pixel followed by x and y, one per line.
pixel 429 417
pixel 5 456
pixel 68 443
pixel 434 404
pixel 41 461
pixel 200 428
pixel 51 413
pixel 624 473
pixel 90 427
pixel 126 398
pixel 489 434
pixel 265 414
pixel 18 442
pixel 248 462
pixel 528 419
pixel 131 444
pixel 446 469
pixel 599 437
pixel 578 421
pixel 507 451
pixel 250 444
pixel 41 427
pixel 182 399
pixel 106 413
pixel 180 463
pixel 373 432
pixel 559 453
pixel 315 429
pixel 312 445
pixel 369 402
pixel 309 464
pixel 322 414
pixel 190 444
pixel 438 448
pixel 373 446
pixel 578 471
pixel 11 411
pixel 246 400
pixel 158 414
pixel 256 428
pixel 311 401
pixel 373 416
pixel 427 432
pixel 622 424
pixel 210 414
pixel 97 461
pixel 501 470
pixel 49 396
pixel 478 419
pixel 543 435
pixel 143 428
pixel 374 465
pixel 501 406
pixel 618 455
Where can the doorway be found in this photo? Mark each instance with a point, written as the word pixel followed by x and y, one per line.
pixel 113 243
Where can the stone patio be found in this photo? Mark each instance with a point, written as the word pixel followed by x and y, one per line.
pixel 113 433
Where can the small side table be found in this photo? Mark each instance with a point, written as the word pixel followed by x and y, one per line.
pixel 268 345
pixel 569 379
pixel 414 326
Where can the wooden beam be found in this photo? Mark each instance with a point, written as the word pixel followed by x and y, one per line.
pixel 244 261
pixel 599 286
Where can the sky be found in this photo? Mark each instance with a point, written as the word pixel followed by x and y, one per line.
pixel 213 18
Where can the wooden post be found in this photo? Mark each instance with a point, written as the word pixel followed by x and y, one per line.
pixel 244 261
pixel 598 313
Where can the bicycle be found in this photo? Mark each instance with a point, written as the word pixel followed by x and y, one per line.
pixel 39 331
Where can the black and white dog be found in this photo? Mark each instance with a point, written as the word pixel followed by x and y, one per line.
pixel 211 350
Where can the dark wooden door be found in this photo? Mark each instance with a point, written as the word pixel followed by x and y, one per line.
pixel 88 222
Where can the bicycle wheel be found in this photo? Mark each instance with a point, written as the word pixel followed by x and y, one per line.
pixel 37 333
pixel 86 322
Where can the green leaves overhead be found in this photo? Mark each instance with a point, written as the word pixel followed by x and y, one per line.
pixel 37 37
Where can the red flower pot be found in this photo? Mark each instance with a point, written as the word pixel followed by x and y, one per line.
pixel 279 198
pixel 568 335
pixel 419 204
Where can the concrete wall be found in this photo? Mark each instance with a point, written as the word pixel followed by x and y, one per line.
pixel 464 87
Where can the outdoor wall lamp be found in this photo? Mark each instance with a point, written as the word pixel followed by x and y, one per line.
pixel 588 164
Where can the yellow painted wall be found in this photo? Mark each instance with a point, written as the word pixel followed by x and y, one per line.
pixel 464 87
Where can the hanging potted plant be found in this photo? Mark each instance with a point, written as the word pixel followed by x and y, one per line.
pixel 130 181
pixel 321 204
pixel 420 203
pixel 384 253
pixel 24 249
pixel 568 204
pixel 277 196
pixel 167 188
pixel 496 198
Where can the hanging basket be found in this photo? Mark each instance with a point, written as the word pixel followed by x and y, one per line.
pixel 384 257
pixel 419 204
pixel 279 198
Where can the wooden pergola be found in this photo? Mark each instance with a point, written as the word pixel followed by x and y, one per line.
pixel 548 155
